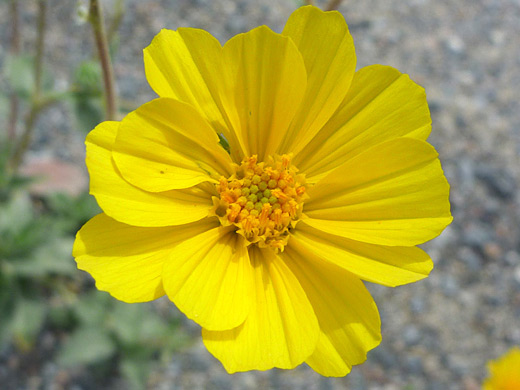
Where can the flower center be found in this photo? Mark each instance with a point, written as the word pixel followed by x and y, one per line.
pixel 264 200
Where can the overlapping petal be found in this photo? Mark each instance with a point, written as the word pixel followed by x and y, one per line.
pixel 129 204
pixel 209 278
pixel 165 145
pixel 127 261
pixel 281 329
pixel 328 51
pixel 388 265
pixel 394 193
pixel 381 104
pixel 347 315
pixel 187 65
pixel 265 84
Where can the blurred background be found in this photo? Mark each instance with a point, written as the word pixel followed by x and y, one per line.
pixel 58 332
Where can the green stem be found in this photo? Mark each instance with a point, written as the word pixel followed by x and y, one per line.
pixel 38 62
pixel 15 49
pixel 36 105
pixel 96 20
pixel 25 139
pixel 333 4
pixel 116 21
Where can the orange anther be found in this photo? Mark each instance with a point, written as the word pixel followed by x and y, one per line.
pixel 227 196
pixel 276 190
pixel 286 160
pixel 233 212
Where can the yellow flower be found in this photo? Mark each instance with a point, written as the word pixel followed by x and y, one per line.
pixel 328 182
pixel 505 372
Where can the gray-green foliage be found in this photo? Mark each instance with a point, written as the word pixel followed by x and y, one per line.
pixel 40 288
pixel 87 95
pixel 107 329
pixel 9 182
pixel 20 74
pixel 32 253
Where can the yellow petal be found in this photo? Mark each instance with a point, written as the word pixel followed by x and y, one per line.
pixel 129 204
pixel 127 261
pixel 347 315
pixel 265 85
pixel 209 278
pixel 504 372
pixel 382 104
pixel 327 48
pixel 187 65
pixel 388 265
pixel 165 145
pixel 281 329
pixel 395 193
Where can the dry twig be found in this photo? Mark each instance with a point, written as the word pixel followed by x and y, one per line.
pixel 96 20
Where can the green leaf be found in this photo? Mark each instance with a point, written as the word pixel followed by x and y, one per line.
pixel 16 213
pixel 20 232
pixel 89 113
pixel 126 321
pixel 19 71
pixel 86 346
pixel 88 93
pixel 92 308
pixel 88 78
pixel 60 316
pixel 9 181
pixel 72 212
pixel 154 330
pixel 139 325
pixel 27 322
pixel 53 257
pixel 136 371
pixel 4 108
pixel 8 301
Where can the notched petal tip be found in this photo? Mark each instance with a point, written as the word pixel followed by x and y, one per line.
pixel 327 48
pixel 382 104
pixel 265 79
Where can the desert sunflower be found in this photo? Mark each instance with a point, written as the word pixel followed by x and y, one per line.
pixel 263 185
pixel 504 372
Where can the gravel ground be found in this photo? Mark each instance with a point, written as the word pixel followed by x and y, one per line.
pixel 438 333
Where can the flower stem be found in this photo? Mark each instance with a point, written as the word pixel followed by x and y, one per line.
pixel 119 11
pixel 38 62
pixel 96 20
pixel 333 4
pixel 36 105
pixel 15 49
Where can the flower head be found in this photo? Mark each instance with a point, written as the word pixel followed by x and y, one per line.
pixel 263 185
pixel 505 372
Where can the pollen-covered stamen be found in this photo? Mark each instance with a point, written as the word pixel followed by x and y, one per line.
pixel 264 200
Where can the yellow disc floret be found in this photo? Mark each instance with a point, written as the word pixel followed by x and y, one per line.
pixel 264 200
